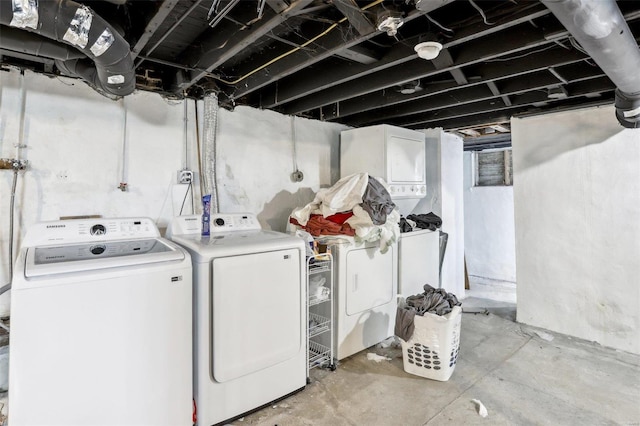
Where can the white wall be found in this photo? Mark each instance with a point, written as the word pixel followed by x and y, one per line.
pixel 577 212
pixel 255 161
pixel 445 198
pixel 489 230
pixel 74 140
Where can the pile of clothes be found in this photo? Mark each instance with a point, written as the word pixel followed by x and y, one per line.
pixel 433 300
pixel 358 205
pixel 429 221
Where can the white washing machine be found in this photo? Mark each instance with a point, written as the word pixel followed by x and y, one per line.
pixel 249 314
pixel 100 326
pixel 365 285
pixel 418 261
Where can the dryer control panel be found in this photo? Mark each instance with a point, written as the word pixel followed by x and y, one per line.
pixel 219 222
pixel 234 222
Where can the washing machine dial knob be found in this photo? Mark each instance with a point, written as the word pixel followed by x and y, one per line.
pixel 219 222
pixel 98 229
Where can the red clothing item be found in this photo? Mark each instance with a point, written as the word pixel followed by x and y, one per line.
pixel 340 218
pixel 318 225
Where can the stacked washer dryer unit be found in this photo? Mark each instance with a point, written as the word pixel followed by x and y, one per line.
pixel 100 326
pixel 397 155
pixel 249 314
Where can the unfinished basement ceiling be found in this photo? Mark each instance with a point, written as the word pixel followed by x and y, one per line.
pixel 340 60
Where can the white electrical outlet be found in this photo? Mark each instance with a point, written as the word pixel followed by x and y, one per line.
pixel 185 176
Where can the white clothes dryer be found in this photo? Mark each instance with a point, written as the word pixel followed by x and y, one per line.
pixel 365 285
pixel 100 326
pixel 249 314
pixel 418 261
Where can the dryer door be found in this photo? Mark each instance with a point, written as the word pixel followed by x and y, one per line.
pixel 257 313
pixel 369 279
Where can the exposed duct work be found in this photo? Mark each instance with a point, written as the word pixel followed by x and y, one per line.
pixel 75 25
pixel 598 25
pixel 33 44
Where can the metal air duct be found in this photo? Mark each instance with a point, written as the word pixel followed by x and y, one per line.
pixel 598 25
pixel 73 24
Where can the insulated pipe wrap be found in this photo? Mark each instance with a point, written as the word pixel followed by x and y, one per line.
pixel 31 43
pixel 209 135
pixel 598 25
pixel 74 24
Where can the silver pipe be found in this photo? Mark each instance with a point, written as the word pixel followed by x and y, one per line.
pixel 600 27
pixel 199 150
pixel 209 133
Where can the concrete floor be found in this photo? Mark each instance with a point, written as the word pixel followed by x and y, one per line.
pixel 521 374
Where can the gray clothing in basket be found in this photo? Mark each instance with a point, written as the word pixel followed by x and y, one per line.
pixel 433 301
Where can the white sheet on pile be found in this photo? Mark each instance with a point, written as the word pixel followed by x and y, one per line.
pixel 341 197
pixel 344 196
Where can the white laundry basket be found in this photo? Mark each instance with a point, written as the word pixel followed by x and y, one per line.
pixel 432 351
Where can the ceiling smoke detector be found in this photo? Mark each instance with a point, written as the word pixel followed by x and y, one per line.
pixel 428 50
pixel 390 21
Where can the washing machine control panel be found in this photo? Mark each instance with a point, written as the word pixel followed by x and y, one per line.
pixel 234 222
pixel 86 230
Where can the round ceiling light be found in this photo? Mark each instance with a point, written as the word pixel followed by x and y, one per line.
pixel 428 50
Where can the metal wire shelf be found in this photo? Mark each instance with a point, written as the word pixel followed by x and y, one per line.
pixel 317 324
pixel 320 318
pixel 318 354
pixel 314 300
pixel 319 266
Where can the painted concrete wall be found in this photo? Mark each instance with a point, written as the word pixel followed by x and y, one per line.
pixel 256 159
pixel 444 197
pixel 489 230
pixel 577 215
pixel 74 143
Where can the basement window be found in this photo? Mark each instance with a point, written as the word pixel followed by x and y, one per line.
pixel 493 168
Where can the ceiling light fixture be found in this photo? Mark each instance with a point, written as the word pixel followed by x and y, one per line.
pixel 428 50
